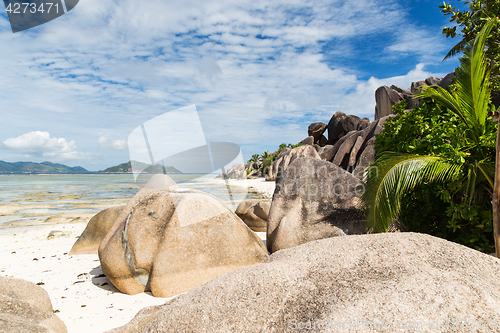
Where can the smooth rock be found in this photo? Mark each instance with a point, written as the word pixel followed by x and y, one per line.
pixel 255 173
pixel 58 234
pixel 308 141
pixel 171 242
pixel 340 125
pixel 354 152
pixel 342 156
pixel 315 199
pixel 363 283
pixel 26 307
pixel 335 128
pixel 367 157
pixel 326 153
pixel 256 216
pixel 322 141
pixel 316 130
pixel 363 123
pixel 385 99
pixel 288 156
pixel 236 171
pixel 97 228
pixel 157 183
pixel 243 208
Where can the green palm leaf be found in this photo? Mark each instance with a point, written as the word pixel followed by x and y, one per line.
pixel 472 89
pixel 398 173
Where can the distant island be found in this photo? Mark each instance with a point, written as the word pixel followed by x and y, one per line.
pixel 56 168
pixel 32 167
pixel 127 168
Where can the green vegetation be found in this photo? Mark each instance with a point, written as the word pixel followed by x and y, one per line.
pixel 264 161
pixel 470 22
pixel 437 161
pixel 32 167
pixel 127 168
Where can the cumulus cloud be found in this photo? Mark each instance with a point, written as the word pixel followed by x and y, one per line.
pixel 106 143
pixel 41 144
pixel 258 71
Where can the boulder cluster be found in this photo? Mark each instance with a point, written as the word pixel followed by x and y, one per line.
pixel 350 140
pixel 386 97
pixel 350 145
pixel 323 272
pixel 241 171
pixel 169 240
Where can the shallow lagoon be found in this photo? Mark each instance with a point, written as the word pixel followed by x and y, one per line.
pixel 67 198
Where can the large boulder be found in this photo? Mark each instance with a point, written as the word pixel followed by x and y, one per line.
pixel 315 199
pixel 26 307
pixel 326 153
pixel 157 183
pixel 367 157
pixel 335 128
pixel 255 173
pixel 347 150
pixel 254 214
pixel 236 171
pixel 96 230
pixel 385 98
pixel 308 141
pixel 391 282
pixel 316 130
pixel 341 124
pixel 171 242
pixel 363 123
pixel 342 156
pixel 323 141
pixel 286 157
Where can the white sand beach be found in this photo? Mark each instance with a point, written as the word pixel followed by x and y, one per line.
pixel 266 188
pixel 82 297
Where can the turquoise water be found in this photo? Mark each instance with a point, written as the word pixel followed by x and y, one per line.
pixel 38 198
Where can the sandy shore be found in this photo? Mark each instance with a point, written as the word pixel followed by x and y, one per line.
pixel 259 185
pixel 81 295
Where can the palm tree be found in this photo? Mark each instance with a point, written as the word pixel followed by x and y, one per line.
pixel 398 173
pixel 254 158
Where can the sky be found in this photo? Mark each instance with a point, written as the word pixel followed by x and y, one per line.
pixel 258 72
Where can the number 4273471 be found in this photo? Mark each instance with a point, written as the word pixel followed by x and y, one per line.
pixel 17 8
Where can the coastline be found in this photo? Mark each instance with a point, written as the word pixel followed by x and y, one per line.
pixel 82 297
pixel 258 185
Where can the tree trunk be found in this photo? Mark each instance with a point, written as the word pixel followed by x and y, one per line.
pixel 496 197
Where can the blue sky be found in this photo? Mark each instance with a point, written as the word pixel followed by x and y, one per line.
pixel 259 72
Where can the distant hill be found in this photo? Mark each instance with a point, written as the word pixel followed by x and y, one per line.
pixel 127 168
pixel 44 167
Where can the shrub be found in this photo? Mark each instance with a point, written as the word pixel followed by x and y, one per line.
pixel 441 209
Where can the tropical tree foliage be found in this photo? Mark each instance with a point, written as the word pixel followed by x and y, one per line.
pixel 470 22
pixel 471 165
pixel 440 209
pixel 265 159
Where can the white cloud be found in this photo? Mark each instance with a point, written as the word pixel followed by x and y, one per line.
pixel 363 97
pixel 40 144
pixel 256 70
pixel 106 143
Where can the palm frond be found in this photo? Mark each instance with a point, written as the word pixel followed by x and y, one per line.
pixel 459 47
pixel 487 171
pixel 398 173
pixel 472 95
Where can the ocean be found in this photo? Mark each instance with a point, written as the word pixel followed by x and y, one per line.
pixel 65 198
